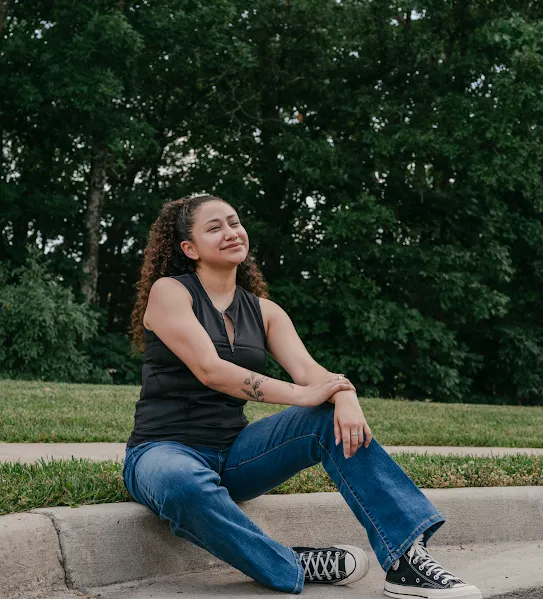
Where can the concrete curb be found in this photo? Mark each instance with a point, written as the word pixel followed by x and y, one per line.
pixel 30 555
pixel 31 452
pixel 77 550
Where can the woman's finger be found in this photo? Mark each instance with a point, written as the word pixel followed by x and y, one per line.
pixel 333 381
pixel 369 435
pixel 346 434
pixel 337 430
pixel 343 379
pixel 360 438
pixel 341 386
pixel 356 439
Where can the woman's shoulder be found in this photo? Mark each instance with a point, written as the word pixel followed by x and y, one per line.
pixel 268 309
pixel 168 285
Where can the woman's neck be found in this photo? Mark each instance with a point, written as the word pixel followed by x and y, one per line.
pixel 219 285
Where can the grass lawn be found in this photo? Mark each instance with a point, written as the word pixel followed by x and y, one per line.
pixel 77 482
pixel 34 411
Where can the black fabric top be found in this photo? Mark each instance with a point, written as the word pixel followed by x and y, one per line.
pixel 174 405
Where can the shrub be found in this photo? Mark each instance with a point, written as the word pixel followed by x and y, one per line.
pixel 42 327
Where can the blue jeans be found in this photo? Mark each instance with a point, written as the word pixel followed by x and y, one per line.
pixel 196 489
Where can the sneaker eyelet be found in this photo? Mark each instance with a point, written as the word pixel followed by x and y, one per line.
pixel 418 579
pixel 421 567
pixel 436 577
pixel 403 578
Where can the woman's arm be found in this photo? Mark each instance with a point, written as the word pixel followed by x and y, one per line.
pixel 239 382
pixel 245 384
pixel 285 345
pixel 169 314
pixel 316 373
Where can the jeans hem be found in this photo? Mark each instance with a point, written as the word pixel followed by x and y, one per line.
pixel 301 574
pixel 422 527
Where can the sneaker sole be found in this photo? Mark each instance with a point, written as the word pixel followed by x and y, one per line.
pixel 362 564
pixel 397 591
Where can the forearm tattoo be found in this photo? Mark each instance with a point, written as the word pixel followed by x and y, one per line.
pixel 254 382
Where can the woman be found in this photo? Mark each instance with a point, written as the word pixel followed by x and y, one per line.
pixel 204 318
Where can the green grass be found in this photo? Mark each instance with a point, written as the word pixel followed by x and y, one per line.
pixel 76 482
pixel 34 411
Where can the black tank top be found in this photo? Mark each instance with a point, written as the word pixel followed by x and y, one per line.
pixel 174 405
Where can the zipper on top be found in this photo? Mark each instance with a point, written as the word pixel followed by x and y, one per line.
pixel 226 332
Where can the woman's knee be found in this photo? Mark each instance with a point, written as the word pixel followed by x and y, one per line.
pixel 173 477
pixel 322 415
pixel 316 420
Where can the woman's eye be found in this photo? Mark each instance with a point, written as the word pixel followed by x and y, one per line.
pixel 215 228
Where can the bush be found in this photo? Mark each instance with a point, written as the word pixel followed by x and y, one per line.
pixel 110 353
pixel 42 327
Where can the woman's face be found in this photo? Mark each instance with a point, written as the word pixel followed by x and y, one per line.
pixel 217 226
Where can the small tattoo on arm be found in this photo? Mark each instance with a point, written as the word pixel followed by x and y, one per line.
pixel 255 381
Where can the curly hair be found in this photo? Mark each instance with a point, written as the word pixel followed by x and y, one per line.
pixel 164 257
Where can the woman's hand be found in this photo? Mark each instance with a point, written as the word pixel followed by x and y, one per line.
pixel 348 418
pixel 314 395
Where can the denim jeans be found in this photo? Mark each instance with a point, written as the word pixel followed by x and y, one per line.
pixel 196 488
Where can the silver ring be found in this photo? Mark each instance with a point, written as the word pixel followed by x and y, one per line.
pixel 340 376
pixel 354 434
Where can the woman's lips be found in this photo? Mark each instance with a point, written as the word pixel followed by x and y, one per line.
pixel 233 247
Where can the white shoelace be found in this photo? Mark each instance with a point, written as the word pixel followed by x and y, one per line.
pixel 311 560
pixel 417 552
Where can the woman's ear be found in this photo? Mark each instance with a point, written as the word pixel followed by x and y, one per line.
pixel 189 250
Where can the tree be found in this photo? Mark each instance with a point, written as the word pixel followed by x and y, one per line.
pixel 385 160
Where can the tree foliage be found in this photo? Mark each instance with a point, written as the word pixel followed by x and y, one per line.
pixel 385 158
pixel 42 328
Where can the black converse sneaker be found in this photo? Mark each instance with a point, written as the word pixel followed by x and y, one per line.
pixel 340 564
pixel 417 574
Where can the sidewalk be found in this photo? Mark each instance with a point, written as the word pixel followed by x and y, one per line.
pixel 30 452
pixel 493 538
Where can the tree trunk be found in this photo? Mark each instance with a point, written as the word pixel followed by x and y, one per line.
pixel 95 199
